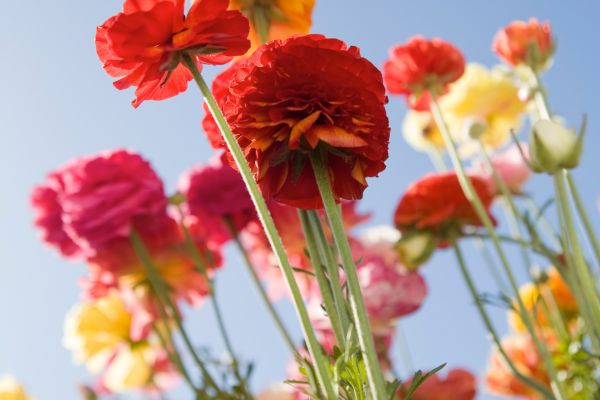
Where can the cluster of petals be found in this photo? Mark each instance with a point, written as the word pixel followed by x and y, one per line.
pixel 421 132
pixel 11 389
pixel 282 110
pixel 99 333
pixel 458 384
pixel 281 18
pixel 290 228
pixel 216 196
pixel 551 289
pixel 483 103
pixel 144 44
pixel 437 203
pixel 510 166
pixel 525 42
pixel 420 66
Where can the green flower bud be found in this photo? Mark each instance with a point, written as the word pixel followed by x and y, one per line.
pixel 415 248
pixel 552 147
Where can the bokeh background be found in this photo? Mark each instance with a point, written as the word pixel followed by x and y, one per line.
pixel 56 103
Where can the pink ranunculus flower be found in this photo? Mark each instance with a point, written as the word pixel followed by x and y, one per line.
pixel 459 384
pixel 104 196
pixel 213 193
pixel 511 168
pixel 48 216
pixel 389 289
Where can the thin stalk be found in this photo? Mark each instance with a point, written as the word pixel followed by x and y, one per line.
pixel 171 351
pixel 328 254
pixel 359 312
pixel 539 96
pixel 437 160
pixel 491 264
pixel 261 290
pixel 270 230
pixel 492 331
pixel 162 293
pixel 479 208
pixel 324 286
pixel 550 232
pixel 589 229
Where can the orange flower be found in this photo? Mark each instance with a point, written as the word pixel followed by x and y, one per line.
pixel 521 350
pixel 420 66
pixel 459 384
pixel 437 203
pixel 279 19
pixel 554 292
pixel 528 43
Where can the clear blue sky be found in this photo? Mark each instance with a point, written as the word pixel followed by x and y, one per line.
pixel 57 103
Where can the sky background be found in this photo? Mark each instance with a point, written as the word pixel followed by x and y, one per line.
pixel 56 103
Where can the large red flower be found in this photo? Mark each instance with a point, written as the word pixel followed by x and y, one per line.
pixel 305 94
pixel 523 42
pixel 421 65
pixel 143 44
pixel 437 203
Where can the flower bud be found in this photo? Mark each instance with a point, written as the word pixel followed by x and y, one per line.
pixel 553 147
pixel 415 248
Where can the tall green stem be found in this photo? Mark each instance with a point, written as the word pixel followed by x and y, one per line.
pixel 589 229
pixel 261 290
pixel 491 330
pixel 473 197
pixel 269 228
pixel 324 286
pixel 359 312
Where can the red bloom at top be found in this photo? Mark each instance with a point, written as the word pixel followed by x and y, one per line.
pixel 420 66
pixel 304 94
pixel 220 89
pixel 214 193
pixel 437 203
pixel 459 384
pixel 528 43
pixel 143 45
pixel 98 198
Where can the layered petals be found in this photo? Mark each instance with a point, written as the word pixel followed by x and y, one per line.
pixel 525 42
pixel 281 108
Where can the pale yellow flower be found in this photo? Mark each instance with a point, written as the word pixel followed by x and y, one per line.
pixel 93 331
pixel 10 389
pixel 421 131
pixel 132 368
pixel 485 98
pixel 281 18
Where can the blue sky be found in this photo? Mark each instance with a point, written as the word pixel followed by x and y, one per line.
pixel 57 103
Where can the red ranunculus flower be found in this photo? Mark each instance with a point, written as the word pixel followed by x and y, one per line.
pixel 421 65
pixel 304 94
pixel 216 192
pixel 143 45
pixel 528 43
pixel 220 89
pixel 459 384
pixel 99 198
pixel 437 203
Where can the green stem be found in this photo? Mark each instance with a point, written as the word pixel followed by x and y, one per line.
pixel 171 351
pixel 359 312
pixel 270 230
pixel 539 96
pixel 589 229
pixel 492 331
pixel 473 197
pixel 261 290
pixel 329 258
pixel 162 293
pixel 324 285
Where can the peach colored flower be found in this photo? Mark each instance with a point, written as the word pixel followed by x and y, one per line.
pixel 458 384
pixel 528 43
pixel 510 167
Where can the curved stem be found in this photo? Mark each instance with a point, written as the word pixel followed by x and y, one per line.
pixel 261 290
pixel 473 197
pixel 490 327
pixel 324 285
pixel 589 229
pixel 359 312
pixel 270 230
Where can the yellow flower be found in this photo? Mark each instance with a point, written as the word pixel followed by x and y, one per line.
pixel 421 131
pixel 488 99
pixel 132 368
pixel 552 294
pixel 10 389
pixel 278 18
pixel 93 331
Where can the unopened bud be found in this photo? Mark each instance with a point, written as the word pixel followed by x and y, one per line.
pixel 415 248
pixel 552 147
